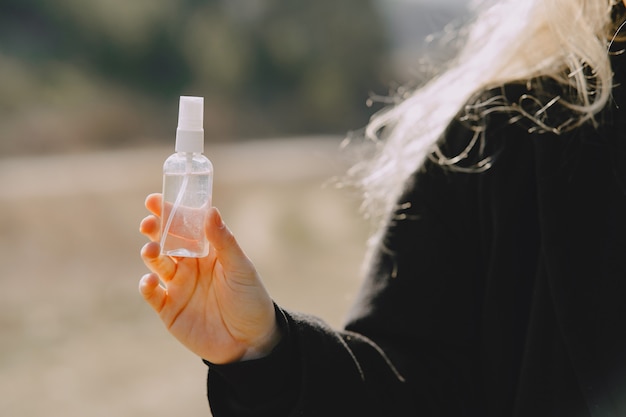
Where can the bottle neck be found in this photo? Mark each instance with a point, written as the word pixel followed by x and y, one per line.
pixel 188 155
pixel 189 140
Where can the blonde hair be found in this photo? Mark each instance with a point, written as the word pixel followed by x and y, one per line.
pixel 508 41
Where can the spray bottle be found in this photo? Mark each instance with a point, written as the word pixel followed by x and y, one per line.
pixel 187 186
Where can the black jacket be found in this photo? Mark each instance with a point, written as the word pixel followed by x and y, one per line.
pixel 493 294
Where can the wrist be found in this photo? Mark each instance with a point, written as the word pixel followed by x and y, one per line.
pixel 265 345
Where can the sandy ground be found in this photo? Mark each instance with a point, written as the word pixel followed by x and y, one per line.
pixel 76 339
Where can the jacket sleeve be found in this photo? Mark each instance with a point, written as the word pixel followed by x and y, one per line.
pixel 315 371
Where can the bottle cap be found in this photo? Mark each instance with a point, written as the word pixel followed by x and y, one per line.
pixel 190 131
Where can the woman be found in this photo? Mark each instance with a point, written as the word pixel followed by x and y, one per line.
pixel 496 285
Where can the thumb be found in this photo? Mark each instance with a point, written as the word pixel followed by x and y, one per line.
pixel 227 250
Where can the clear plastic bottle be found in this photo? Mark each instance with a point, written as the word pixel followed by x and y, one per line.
pixel 187 186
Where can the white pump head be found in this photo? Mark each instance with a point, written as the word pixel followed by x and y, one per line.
pixel 190 131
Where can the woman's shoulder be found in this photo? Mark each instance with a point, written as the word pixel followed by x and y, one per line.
pixel 496 117
pixel 536 105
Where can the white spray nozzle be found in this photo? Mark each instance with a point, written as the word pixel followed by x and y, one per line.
pixel 190 131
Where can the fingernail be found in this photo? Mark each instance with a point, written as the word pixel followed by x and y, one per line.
pixel 218 221
pixel 143 283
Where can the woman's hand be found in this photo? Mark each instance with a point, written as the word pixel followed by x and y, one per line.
pixel 216 306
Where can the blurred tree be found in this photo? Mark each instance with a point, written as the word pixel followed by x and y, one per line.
pixel 293 66
pixel 265 67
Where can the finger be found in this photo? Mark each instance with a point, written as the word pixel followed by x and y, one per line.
pixel 152 292
pixel 228 251
pixel 162 265
pixel 150 227
pixel 153 203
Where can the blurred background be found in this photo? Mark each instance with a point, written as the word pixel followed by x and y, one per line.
pixel 88 109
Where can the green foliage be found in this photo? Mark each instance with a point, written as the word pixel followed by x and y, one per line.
pixel 265 67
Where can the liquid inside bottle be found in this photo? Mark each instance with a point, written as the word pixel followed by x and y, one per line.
pixel 186 201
